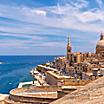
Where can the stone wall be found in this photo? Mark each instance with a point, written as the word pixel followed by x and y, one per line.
pixel 16 95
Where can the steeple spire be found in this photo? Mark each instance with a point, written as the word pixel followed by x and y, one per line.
pixel 102 36
pixel 68 40
pixel 69 48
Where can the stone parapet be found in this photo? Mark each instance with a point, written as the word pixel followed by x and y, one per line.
pixel 33 94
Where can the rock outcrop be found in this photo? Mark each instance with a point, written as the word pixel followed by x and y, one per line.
pixel 2 98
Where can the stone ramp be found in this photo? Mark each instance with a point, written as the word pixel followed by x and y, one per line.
pixel 92 93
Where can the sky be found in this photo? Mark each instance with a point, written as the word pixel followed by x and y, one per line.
pixel 41 27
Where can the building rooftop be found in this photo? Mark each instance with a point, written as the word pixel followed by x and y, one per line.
pixel 33 95
pixel 48 68
pixel 57 75
pixel 92 93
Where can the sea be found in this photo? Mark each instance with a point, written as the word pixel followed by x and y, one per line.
pixel 15 69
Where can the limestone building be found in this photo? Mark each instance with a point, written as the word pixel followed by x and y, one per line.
pixel 77 63
pixel 73 57
pixel 100 45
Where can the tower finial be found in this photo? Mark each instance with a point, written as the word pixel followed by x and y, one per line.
pixel 69 48
pixel 101 36
pixel 68 39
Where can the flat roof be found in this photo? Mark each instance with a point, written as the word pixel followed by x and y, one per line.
pixel 71 87
pixel 89 74
pixel 95 69
pixel 53 69
pixel 39 94
pixel 21 84
pixel 57 75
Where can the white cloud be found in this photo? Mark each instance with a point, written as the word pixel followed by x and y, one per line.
pixel 52 44
pixel 80 3
pixel 51 20
pixel 75 3
pixel 71 18
pixel 90 16
pixel 40 12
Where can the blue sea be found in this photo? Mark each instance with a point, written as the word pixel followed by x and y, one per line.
pixel 16 69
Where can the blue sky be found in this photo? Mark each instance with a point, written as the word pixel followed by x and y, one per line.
pixel 41 27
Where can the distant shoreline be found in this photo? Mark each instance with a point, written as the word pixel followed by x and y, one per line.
pixel 32 55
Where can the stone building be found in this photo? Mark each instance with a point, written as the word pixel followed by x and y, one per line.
pixel 69 49
pixel 77 63
pixel 100 45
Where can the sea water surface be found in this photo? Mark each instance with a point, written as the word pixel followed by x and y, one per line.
pixel 16 69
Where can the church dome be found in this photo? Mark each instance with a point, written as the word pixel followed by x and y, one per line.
pixel 100 44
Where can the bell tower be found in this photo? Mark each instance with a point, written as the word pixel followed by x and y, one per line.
pixel 69 48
